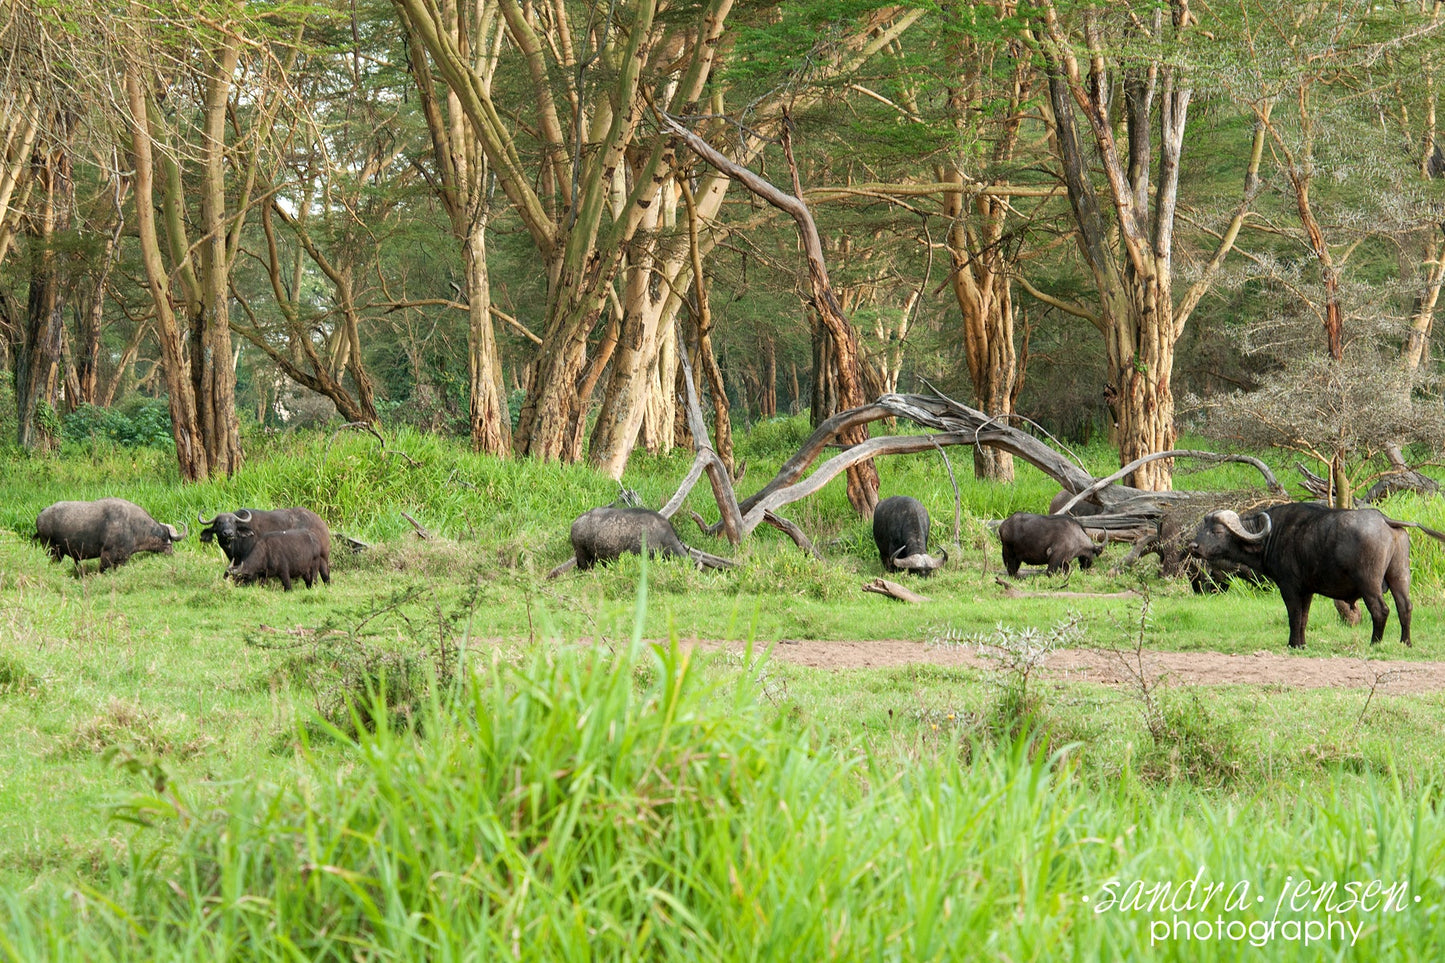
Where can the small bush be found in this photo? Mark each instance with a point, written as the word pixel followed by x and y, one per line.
pixel 139 423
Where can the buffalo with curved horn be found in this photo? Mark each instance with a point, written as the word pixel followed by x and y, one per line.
pixel 900 530
pixel 110 529
pixel 1308 549
pixel 236 532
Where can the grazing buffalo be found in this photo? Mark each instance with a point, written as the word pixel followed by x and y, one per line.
pixel 1308 549
pixel 1052 540
pixel 603 534
pixel 287 554
pixel 236 532
pixel 1082 509
pixel 110 529
pixel 900 530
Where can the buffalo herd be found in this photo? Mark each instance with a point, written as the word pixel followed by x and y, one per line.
pixel 1304 548
pixel 287 544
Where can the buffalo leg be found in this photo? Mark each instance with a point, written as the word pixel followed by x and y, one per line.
pixel 1349 611
pixel 1298 607
pixel 1010 563
pixel 1379 615
pixel 1397 580
pixel 285 576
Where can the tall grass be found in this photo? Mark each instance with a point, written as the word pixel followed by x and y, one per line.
pixel 578 804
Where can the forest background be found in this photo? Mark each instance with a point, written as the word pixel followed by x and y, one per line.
pixel 495 219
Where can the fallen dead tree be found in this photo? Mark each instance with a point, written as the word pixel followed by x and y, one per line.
pixel 1131 514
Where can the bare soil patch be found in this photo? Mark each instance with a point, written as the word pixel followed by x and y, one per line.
pixel 1109 668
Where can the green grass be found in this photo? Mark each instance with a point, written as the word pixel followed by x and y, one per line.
pixel 615 801
pixel 576 804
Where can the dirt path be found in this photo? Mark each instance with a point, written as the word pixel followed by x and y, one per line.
pixel 1178 668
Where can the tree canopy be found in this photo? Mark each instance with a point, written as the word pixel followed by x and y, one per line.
pixel 514 221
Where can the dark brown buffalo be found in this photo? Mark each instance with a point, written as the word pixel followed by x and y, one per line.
pixel 236 531
pixel 110 529
pixel 603 534
pixel 1052 540
pixel 288 554
pixel 1081 510
pixel 1309 549
pixel 900 530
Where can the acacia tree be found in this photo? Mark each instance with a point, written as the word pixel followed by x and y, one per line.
pixel 991 85
pixel 575 196
pixel 1312 80
pixel 1125 227
pixel 461 182
pixel 39 107
pixel 1417 99
pixel 180 150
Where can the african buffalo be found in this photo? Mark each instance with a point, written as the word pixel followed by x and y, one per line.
pixel 900 530
pixel 287 554
pixel 1082 509
pixel 1309 549
pixel 230 530
pixel 110 529
pixel 603 534
pixel 1052 540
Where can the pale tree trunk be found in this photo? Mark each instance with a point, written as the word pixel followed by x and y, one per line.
pixel 1130 254
pixel 107 395
pixel 19 128
pixel 843 340
pixel 981 269
pixel 462 188
pixel 661 416
pixel 1431 272
pixel 190 451
pixel 213 377
pixel 768 389
pixel 491 424
pixel 634 362
pixel 37 360
pixel 984 294
pixel 91 317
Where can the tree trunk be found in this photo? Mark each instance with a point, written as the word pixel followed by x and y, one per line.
pixel 213 377
pixel 190 451
pixel 491 421
pixel 768 395
pixel 1130 254
pixel 37 360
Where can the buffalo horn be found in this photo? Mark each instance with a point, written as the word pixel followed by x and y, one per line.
pixel 205 521
pixel 182 535
pixel 244 515
pixel 922 561
pixel 1230 520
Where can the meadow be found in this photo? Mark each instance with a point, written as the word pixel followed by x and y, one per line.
pixel 444 755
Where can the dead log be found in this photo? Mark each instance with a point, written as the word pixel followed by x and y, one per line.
pixel 893 590
pixel 421 531
pixel 1401 478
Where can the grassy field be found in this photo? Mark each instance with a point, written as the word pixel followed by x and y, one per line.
pixel 421 760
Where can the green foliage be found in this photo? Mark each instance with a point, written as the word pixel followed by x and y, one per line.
pixel 139 423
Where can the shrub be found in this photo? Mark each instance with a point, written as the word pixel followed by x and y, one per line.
pixel 139 423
